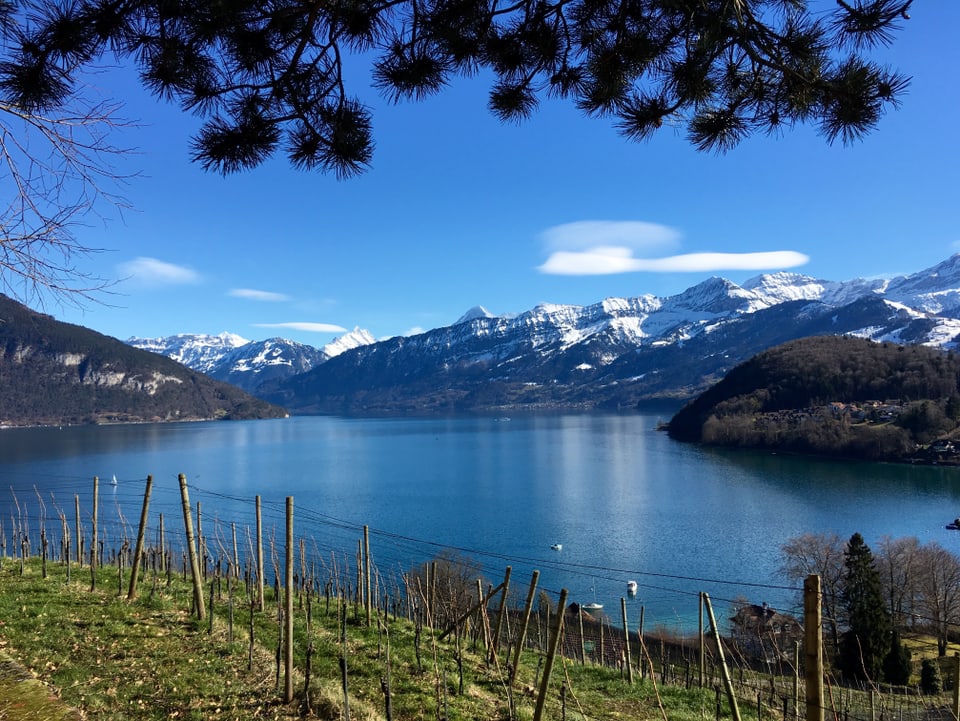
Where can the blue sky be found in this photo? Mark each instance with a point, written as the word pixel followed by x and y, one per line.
pixel 460 210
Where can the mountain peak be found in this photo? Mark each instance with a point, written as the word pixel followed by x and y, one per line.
pixel 478 311
pixel 354 339
pixel 714 295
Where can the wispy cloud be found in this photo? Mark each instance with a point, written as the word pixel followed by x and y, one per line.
pixel 152 272
pixel 265 296
pixel 609 247
pixel 306 326
pixel 586 234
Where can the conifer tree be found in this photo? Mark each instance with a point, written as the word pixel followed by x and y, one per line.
pixel 897 665
pixel 867 641
pixel 268 75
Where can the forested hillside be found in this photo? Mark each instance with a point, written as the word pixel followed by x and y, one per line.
pixel 833 395
pixel 56 373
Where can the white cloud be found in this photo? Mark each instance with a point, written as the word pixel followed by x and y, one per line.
pixel 587 234
pixel 260 295
pixel 306 326
pixel 605 247
pixel 610 260
pixel 152 272
pixel 416 330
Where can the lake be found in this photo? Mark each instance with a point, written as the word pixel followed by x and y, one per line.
pixel 624 500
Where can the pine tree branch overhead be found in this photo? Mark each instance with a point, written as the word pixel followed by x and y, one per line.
pixel 268 76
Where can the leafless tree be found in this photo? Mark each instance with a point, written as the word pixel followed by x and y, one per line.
pixel 57 172
pixel 898 562
pixel 821 554
pixel 939 591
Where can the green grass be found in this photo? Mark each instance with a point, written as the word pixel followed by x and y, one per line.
pixel 149 659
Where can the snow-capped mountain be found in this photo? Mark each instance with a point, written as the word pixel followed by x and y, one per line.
pixel 248 364
pixel 622 351
pixel 197 351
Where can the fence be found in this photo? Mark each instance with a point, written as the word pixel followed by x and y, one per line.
pixel 759 670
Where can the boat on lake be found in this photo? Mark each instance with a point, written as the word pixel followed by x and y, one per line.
pixel 591 607
pixel 955 525
pixel 557 546
pixel 632 588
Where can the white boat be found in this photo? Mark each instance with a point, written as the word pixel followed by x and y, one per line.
pixel 113 482
pixel 632 588
pixel 557 546
pixel 593 605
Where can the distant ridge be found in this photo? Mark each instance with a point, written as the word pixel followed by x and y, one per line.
pixel 55 373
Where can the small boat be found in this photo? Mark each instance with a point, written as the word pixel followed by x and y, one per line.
pixel 593 605
pixel 557 546
pixel 955 526
pixel 113 481
pixel 632 588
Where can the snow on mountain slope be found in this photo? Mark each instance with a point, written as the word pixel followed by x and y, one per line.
pixel 612 351
pixel 248 364
pixel 354 339
pixel 198 351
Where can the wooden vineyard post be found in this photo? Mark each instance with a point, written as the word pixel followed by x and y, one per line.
pixel 259 557
pixel 500 614
pixel 236 552
pixel 522 637
pixel 162 545
pixel 643 647
pixel 93 544
pixel 626 639
pixel 288 610
pixel 192 549
pixel 138 550
pixel 813 647
pixel 727 681
pixel 366 574
pixel 796 680
pixel 76 503
pixel 551 655
pixel 703 654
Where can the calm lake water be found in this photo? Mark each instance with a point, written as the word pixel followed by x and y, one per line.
pixel 624 500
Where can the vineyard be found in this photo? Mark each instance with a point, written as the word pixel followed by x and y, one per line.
pixel 161 620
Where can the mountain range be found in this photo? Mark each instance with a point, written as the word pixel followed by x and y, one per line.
pixel 248 364
pixel 615 354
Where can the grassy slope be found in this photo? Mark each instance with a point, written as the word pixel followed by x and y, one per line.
pixel 148 659
pixel 68 653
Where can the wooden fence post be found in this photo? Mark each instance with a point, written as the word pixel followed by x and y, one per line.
pixel 551 654
pixel 703 651
pixel 288 614
pixel 259 557
pixel 813 647
pixel 163 547
pixel 500 614
pixel 626 639
pixel 366 574
pixel 93 545
pixel 138 550
pixel 191 549
pixel 522 637
pixel 727 682
pixel 76 502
